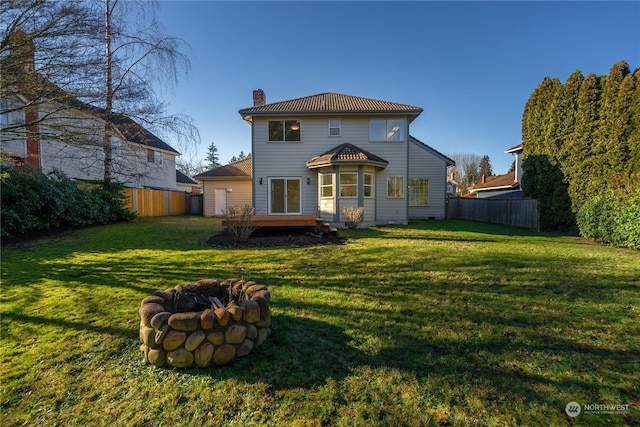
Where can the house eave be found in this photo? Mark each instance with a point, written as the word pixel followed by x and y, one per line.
pixel 502 187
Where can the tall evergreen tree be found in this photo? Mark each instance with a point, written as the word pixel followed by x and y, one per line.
pixel 618 149
pixel 485 167
pixel 634 134
pixel 536 114
pixel 564 133
pixel 581 167
pixel 606 124
pixel 212 156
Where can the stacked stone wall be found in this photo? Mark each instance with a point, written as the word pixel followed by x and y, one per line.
pixel 176 330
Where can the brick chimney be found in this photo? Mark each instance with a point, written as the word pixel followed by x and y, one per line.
pixel 259 98
pixel 22 53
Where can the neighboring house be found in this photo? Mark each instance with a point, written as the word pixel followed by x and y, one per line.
pixel 318 154
pixel 505 186
pixel 186 184
pixel 226 186
pixel 46 128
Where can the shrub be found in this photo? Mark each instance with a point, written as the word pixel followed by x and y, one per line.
pixel 240 220
pixel 596 217
pixel 32 201
pixel 627 223
pixel 354 216
pixel 612 218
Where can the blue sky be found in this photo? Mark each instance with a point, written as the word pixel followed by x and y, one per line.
pixel 470 65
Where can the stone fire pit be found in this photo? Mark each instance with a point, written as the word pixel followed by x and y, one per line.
pixel 204 323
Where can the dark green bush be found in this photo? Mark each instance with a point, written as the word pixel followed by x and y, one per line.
pixel 596 218
pixel 627 223
pixel 612 218
pixel 32 200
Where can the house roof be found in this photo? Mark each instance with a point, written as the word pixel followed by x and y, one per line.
pixel 433 151
pixel 497 182
pixel 514 149
pixel 184 179
pixel 239 169
pixel 331 103
pixel 346 154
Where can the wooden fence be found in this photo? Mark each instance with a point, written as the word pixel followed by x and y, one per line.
pixel 147 202
pixel 516 212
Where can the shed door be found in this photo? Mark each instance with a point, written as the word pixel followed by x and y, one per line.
pixel 220 201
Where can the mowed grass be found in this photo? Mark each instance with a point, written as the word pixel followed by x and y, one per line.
pixel 435 323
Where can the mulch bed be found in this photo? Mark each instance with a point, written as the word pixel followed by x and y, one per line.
pixel 274 238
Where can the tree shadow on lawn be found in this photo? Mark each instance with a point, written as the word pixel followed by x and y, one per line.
pixel 301 352
pixel 510 357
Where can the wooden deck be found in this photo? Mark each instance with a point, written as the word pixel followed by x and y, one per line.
pixel 282 221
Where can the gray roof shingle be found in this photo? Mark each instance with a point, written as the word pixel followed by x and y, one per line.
pixel 346 153
pixel 331 103
pixel 241 168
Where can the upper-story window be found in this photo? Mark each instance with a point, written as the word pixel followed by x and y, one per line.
pixel 386 130
pixel 334 127
pixel 284 130
pixel 154 156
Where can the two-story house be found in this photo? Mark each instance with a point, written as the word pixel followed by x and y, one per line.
pixel 317 154
pixel 44 127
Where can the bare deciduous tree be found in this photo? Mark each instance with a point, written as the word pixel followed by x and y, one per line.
pixel 466 171
pixel 108 58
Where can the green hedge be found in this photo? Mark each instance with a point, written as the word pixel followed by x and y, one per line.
pixel 612 218
pixel 32 201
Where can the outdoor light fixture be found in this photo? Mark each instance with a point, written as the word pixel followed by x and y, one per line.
pixel 308 180
pixel 260 181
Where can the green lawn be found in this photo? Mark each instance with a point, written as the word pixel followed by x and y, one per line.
pixel 436 323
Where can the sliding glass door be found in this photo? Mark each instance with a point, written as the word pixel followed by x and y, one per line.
pixel 284 196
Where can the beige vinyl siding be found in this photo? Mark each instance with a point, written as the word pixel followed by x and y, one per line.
pixel 240 194
pixel 424 164
pixel 288 159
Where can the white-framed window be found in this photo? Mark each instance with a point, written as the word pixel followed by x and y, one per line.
pixel 395 187
pixel 349 184
pixel 386 130
pixel 284 130
pixel 369 185
pixel 158 155
pixel 151 157
pixel 418 192
pixel 334 127
pixel 326 185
